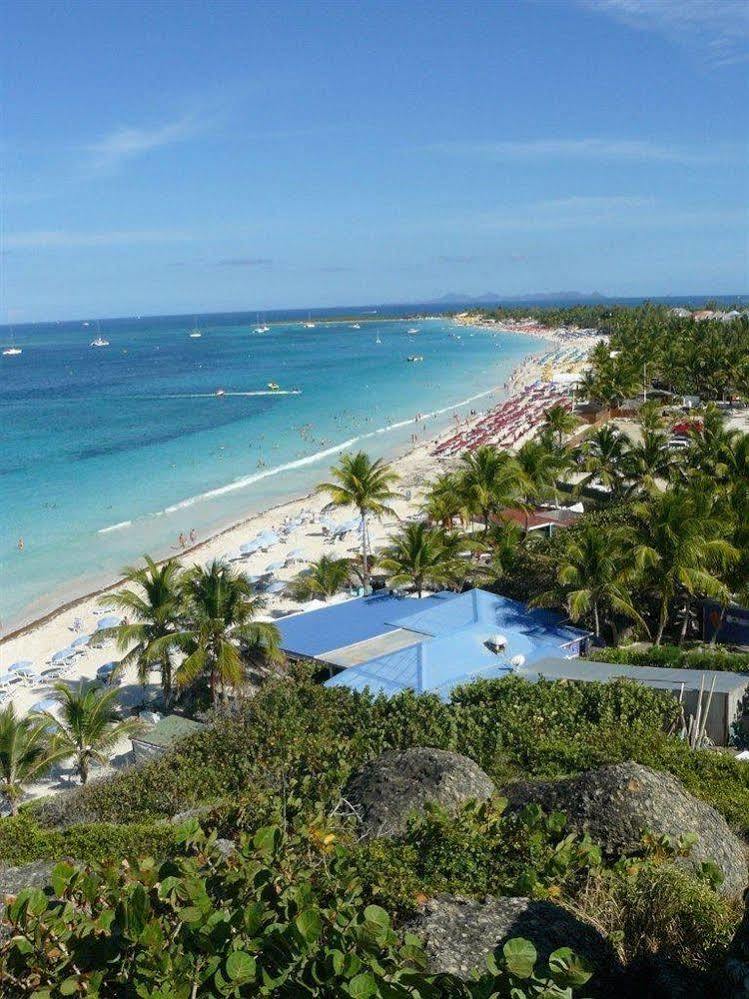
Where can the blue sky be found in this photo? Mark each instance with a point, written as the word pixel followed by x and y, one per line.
pixel 192 157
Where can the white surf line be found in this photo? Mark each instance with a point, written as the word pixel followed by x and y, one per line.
pixel 311 459
pixel 115 527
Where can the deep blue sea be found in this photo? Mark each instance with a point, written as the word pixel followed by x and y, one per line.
pixel 109 453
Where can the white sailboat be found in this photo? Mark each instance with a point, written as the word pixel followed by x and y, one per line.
pixel 309 324
pixel 261 327
pixel 99 341
pixel 195 333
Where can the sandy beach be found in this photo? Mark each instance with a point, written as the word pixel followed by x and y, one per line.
pixel 40 640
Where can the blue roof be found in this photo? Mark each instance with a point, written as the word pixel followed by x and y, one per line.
pixel 319 631
pixel 457 652
pixel 493 612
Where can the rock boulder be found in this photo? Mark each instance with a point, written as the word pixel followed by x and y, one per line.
pixel 387 789
pixel 617 804
pixel 459 934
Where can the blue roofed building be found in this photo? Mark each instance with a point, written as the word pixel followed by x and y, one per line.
pixel 388 643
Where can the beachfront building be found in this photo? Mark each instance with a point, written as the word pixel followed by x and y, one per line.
pixel 387 643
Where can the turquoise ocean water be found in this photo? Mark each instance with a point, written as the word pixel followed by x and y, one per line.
pixel 108 453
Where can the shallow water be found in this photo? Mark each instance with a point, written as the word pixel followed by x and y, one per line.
pixel 107 453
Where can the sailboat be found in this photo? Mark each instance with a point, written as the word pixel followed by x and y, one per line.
pixel 99 341
pixel 261 327
pixel 309 324
pixel 195 332
pixel 378 339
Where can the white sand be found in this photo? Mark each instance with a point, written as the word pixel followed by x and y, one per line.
pixel 39 641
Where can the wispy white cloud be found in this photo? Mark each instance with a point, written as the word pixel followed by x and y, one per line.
pixel 629 150
pixel 718 29
pixel 615 212
pixel 47 239
pixel 245 262
pixel 126 143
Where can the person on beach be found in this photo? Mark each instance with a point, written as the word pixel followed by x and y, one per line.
pixel 193 535
pixel 21 544
pixel 182 540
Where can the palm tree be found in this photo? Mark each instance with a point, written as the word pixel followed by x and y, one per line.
pixel 650 416
pixel 322 579
pixel 421 556
pixel 647 462
pixel 560 421
pixel 595 577
pixel 365 484
pixel 604 455
pixel 153 614
pixel 540 467
pixel 25 753
pixel 502 542
pixel 444 501
pixel 220 608
pixel 490 480
pixel 682 550
pixel 88 725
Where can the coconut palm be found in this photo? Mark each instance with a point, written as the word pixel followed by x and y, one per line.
pixel 648 463
pixel 540 467
pixel 444 501
pixel 650 416
pixel 219 627
pixel 595 577
pixel 603 457
pixel 490 480
pixel 366 485
pixel 152 611
pixel 502 542
pixel 560 421
pixel 683 552
pixel 88 725
pixel 26 753
pixel 421 556
pixel 322 579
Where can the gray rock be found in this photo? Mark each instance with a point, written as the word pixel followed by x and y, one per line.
pixel 386 790
pixel 199 812
pixel 13 879
pixel 459 934
pixel 225 847
pixel 617 804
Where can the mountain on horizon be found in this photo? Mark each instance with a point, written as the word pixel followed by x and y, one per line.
pixel 490 297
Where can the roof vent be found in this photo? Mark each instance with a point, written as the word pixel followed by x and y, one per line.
pixel 497 643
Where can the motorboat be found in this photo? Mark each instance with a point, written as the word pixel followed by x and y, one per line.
pixel 355 326
pixel 414 357
pixel 220 392
pixel 414 330
pixel 274 386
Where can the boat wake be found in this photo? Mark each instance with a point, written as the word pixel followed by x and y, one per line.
pixel 226 395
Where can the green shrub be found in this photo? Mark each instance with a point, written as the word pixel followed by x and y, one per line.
pixel 256 924
pixel 22 841
pixel 704 658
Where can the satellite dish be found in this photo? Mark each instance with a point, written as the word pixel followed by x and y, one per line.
pixel 496 643
pixel 517 661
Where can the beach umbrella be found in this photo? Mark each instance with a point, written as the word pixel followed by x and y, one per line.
pixel 110 621
pixel 81 640
pixel 21 664
pixel 250 547
pixel 46 704
pixel 274 566
pixel 276 587
pixel 62 655
pixel 296 555
pixel 268 538
pixel 22 669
